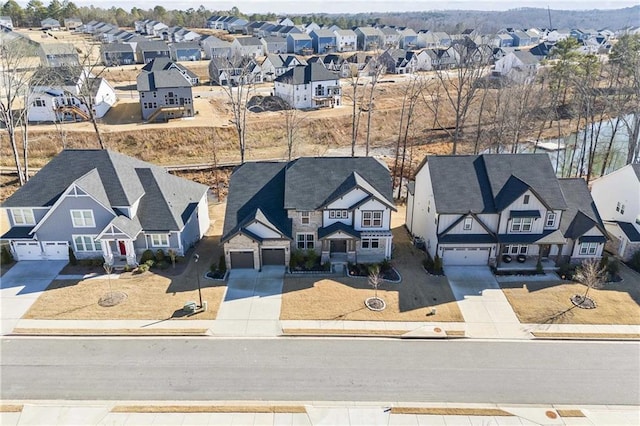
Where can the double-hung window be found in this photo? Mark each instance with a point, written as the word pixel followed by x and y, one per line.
pixel 372 219
pixel 83 219
pixel 370 243
pixel 588 248
pixel 305 241
pixel 159 240
pixel 338 214
pixel 305 217
pixel 23 217
pixel 521 224
pixel 86 243
pixel 550 222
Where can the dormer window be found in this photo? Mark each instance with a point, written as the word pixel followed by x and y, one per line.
pixel 526 199
pixel 550 222
pixel 468 222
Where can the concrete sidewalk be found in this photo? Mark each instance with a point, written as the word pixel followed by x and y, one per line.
pixel 316 414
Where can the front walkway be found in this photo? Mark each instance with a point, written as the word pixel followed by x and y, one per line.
pixel 22 285
pixel 485 308
pixel 251 306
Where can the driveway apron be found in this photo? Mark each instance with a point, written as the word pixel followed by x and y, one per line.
pixel 485 308
pixel 22 285
pixel 251 306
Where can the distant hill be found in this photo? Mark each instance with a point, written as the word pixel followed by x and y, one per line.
pixel 491 21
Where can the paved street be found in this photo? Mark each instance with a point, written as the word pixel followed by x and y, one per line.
pixel 320 369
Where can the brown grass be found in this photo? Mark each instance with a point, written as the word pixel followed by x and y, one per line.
pixel 150 296
pixel 570 413
pixel 342 298
pixel 341 332
pixel 436 411
pixel 209 409
pixel 548 303
pixel 10 408
pixel 112 332
pixel 552 334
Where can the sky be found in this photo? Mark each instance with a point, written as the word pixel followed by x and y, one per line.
pixel 354 6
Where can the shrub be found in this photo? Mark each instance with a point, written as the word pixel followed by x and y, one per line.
pixel 614 267
pixel 326 266
pixel 72 257
pixel 147 255
pixel 385 265
pixel 159 256
pixel 604 263
pixel 97 261
pixel 635 261
pixel 127 268
pixel 222 265
pixel 213 267
pixel 427 263
pixel 179 259
pixel 6 257
pixel 163 265
pixel 539 268
pixel 142 268
pixel 297 258
pixel 150 263
pixel 437 265
pixel 566 271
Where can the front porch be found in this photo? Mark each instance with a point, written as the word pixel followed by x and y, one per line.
pixel 530 264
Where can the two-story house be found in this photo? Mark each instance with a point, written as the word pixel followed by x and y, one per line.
pixel 346 40
pixel 339 207
pixel 275 65
pixel 213 47
pixel 103 204
pixel 369 38
pixel 250 47
pixel 493 209
pixel 323 40
pixel 309 86
pixel 58 54
pixel 116 54
pixel 299 43
pixel 147 51
pixel 617 196
pixel 234 71
pixel 165 90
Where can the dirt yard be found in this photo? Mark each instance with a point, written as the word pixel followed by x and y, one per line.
pixel 150 296
pixel 342 298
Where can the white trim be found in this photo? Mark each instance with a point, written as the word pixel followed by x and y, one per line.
pixel 587 247
pixel 82 218
pixel 306 241
pixel 94 243
pixel 467 221
pixel 372 219
pixel 161 244
pixel 22 211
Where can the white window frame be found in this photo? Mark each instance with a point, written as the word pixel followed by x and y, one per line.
pixel 370 243
pixel 369 218
pixel 87 241
pixel 550 220
pixel 587 249
pixel 338 214
pixel 305 217
pixel 84 221
pixel 515 249
pixel 468 224
pixel 159 240
pixel 305 241
pixel 519 224
pixel 23 217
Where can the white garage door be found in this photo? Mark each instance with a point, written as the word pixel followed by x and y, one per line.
pixel 27 250
pixel 56 250
pixel 466 257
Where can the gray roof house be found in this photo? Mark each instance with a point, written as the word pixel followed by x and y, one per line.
pixel 309 86
pixel 115 54
pixel 102 204
pixel 509 211
pixel 149 50
pixel 6 22
pixel 336 206
pixel 214 47
pixel 165 91
pixel 50 24
pixel 58 54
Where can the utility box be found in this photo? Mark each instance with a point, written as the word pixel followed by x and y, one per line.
pixel 190 307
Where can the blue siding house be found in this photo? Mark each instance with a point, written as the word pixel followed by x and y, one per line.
pixel 186 51
pixel 324 41
pixel 300 44
pixel 147 51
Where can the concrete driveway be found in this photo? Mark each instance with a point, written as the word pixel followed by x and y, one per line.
pixel 251 306
pixel 22 285
pixel 484 306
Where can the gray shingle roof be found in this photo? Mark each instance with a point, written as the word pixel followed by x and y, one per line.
pixel 307 74
pixel 152 46
pixel 490 182
pixel 581 214
pixel 117 47
pixel 116 180
pixel 150 81
pixel 249 41
pixel 630 231
pixel 636 169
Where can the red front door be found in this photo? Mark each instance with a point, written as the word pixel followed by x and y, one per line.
pixel 123 249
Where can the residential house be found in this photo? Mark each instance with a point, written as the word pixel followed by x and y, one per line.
pixel 6 22
pixel 369 38
pixel 311 26
pixel 101 204
pixel 250 47
pixel 72 24
pixel 495 209
pixel 390 38
pixel 115 54
pixel 617 197
pixel 154 28
pixel 234 25
pixel 275 65
pixel 273 44
pixel 186 51
pixel 534 36
pixel 323 41
pixel 346 40
pixel 285 21
pixel 399 61
pixel 521 39
pixel 215 22
pixel 555 36
pixel 58 54
pixel 408 39
pixel 50 24
pixel 310 86
pixel 147 51
pixel 433 40
pixel 338 207
pixel 252 28
pixel 68 93
pixel 502 40
pixel 285 31
pixel 337 64
pixel 299 44
pixel 359 62
pixel 234 71
pixel 214 47
pixel 165 91
pixel 89 26
pixel 520 66
pixel 542 50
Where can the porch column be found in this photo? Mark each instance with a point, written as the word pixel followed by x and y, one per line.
pixel 131 252
pixel 106 251
pixel 387 249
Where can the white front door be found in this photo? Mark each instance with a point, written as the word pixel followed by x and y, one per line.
pixel 56 250
pixel 27 250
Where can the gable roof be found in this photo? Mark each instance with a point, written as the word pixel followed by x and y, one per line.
pixel 581 214
pixel 115 180
pixel 526 57
pixel 488 183
pixel 58 49
pixel 153 45
pixel 305 74
pixel 57 76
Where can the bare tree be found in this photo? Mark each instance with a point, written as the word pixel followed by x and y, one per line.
pixel 356 96
pixel 592 275
pixel 293 120
pixel 376 69
pixel 16 59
